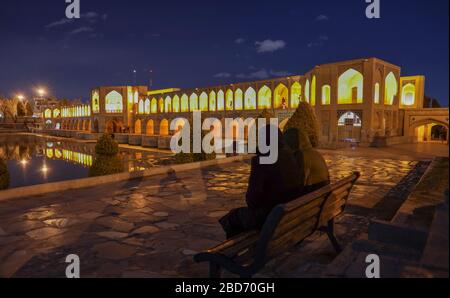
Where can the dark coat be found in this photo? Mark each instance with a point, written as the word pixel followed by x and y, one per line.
pixel 270 185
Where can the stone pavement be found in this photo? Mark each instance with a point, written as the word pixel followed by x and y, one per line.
pixel 152 227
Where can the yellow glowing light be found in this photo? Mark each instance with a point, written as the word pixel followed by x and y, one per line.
pixel 204 102
pixel 408 95
pixel 250 99
pixel 220 100
pixel 350 87
pixel 41 92
pixel 391 89
pixel 281 97
pixel 326 94
pixel 193 102
pixel 176 104
pixel 20 97
pixel 114 102
pixel 212 101
pixel 229 100
pixel 95 102
pixel 238 100
pixel 264 98
pixel 313 91
pixel 24 162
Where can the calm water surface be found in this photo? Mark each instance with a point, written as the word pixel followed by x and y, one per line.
pixel 33 159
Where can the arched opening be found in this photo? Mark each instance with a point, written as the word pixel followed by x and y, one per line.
pixel 154 106
pixel 238 100
pixel 296 93
pixel 114 102
pixel 220 100
pixel 176 104
pixel 56 113
pixel 138 127
pixel 326 95
pixel 350 87
pixel 391 89
pixel 408 95
pixel 87 127
pixel 349 127
pixel 147 106
pixel 281 96
pixel 113 126
pixel 184 103
pixel 204 102
pixel 95 101
pixel 141 108
pixel 193 102
pixel 376 97
pixel 161 105
pixel 48 114
pixel 264 98
pixel 150 128
pixel 95 127
pixel 164 128
pixel 250 99
pixel 431 132
pixel 307 91
pixel 313 91
pixel 212 101
pixel 168 105
pixel 229 100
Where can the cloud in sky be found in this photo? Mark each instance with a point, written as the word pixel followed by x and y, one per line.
pixel 239 40
pixel 90 16
pixel 269 46
pixel 281 73
pixel 222 75
pixel 322 17
pixel 80 30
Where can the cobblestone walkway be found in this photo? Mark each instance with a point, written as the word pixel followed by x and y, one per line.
pixel 152 227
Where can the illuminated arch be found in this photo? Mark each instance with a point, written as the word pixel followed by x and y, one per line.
pixel 391 89
pixel 141 107
pixel 147 106
pixel 193 102
pixel 168 105
pixel 176 104
pixel 409 95
pixel 95 102
pixel 138 127
pixel 203 102
pixel 307 91
pixel 179 124
pixel 264 98
pixel 114 102
pixel 313 91
pixel 154 106
pixel 350 116
pixel 184 103
pixel 56 113
pixel 161 105
pixel 212 101
pixel 150 128
pixel 350 87
pixel 48 113
pixel 220 100
pixel 238 99
pixel 229 100
pixel 296 93
pixel 326 94
pixel 164 128
pixel 250 99
pixel 281 97
pixel 376 96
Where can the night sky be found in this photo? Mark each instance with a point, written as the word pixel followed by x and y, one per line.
pixel 202 43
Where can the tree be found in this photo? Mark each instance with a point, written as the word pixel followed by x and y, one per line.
pixel 304 119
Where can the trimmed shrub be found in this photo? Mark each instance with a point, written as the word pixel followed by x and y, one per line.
pixel 304 119
pixel 106 146
pixel 4 176
pixel 181 158
pixel 107 160
pixel 106 165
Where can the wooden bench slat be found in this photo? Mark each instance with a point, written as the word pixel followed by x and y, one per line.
pixel 235 245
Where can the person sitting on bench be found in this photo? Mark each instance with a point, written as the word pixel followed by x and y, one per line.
pixel 314 172
pixel 269 185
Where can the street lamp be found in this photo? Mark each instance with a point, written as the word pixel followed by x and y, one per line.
pixel 20 97
pixel 41 92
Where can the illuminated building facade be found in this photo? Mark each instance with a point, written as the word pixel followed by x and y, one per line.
pixel 365 100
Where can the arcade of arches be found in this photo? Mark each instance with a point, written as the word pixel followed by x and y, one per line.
pixel 355 100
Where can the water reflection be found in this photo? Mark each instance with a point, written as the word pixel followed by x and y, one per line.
pixel 34 160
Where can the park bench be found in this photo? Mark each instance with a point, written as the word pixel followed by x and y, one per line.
pixel 286 226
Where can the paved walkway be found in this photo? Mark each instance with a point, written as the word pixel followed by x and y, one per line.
pixel 152 227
